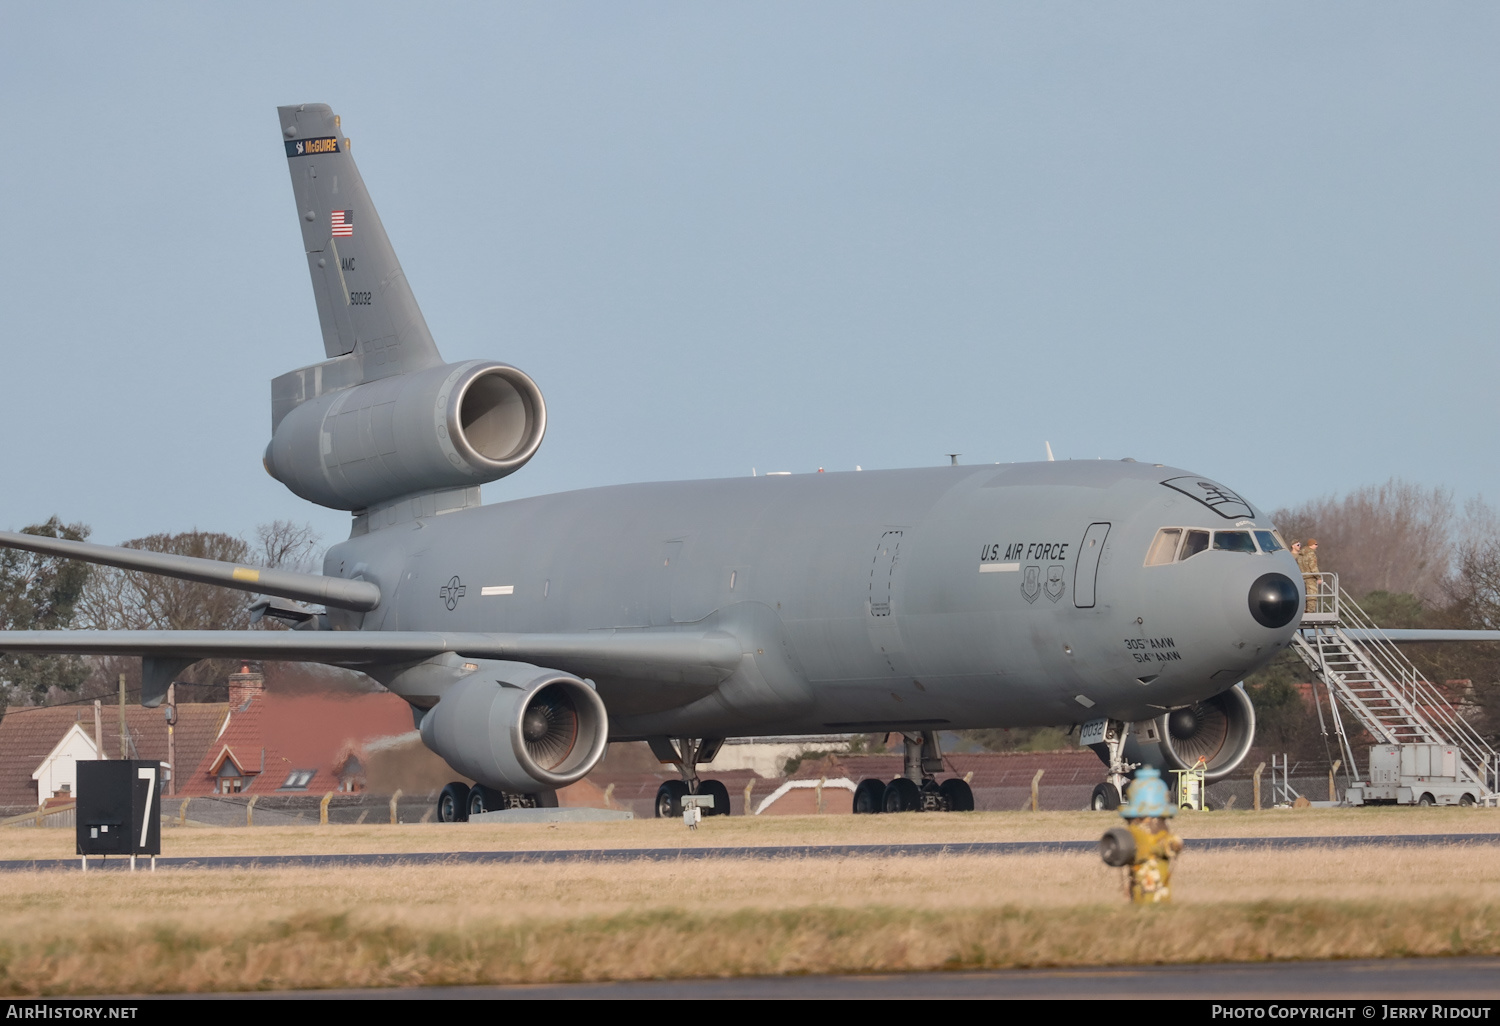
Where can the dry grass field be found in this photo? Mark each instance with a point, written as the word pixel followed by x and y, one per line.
pixel 206 930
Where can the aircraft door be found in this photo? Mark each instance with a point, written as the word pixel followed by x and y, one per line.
pixel 880 601
pixel 882 583
pixel 1086 570
pixel 661 583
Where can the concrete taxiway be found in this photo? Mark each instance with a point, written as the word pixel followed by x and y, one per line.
pixel 1366 985
pixel 798 851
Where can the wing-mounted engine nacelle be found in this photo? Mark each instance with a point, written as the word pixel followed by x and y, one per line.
pixel 452 426
pixel 1220 730
pixel 518 727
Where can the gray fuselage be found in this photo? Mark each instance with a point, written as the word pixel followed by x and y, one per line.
pixel 950 597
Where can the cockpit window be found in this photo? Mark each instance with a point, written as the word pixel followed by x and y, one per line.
pixel 1163 546
pixel 1194 543
pixel 1234 541
pixel 1268 542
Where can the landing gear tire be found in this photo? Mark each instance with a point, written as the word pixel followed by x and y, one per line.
pixel 1426 801
pixel 669 799
pixel 484 799
pixel 721 797
pixel 902 795
pixel 957 794
pixel 453 803
pixel 544 800
pixel 1106 798
pixel 869 797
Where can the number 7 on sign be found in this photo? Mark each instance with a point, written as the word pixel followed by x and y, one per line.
pixel 145 773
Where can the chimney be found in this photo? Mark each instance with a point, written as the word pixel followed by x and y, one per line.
pixel 244 686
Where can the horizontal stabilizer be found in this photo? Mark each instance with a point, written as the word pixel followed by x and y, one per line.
pixel 360 596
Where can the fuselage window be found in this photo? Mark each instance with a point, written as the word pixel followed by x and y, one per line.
pixel 1194 543
pixel 1164 546
pixel 1268 542
pixel 1234 541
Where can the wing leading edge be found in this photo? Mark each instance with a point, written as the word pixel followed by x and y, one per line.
pixel 359 596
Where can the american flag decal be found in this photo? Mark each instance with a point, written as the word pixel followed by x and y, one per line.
pixel 343 222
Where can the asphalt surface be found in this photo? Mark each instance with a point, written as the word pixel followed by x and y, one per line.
pixel 1364 984
pixel 705 854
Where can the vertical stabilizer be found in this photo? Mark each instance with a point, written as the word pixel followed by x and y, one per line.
pixel 369 316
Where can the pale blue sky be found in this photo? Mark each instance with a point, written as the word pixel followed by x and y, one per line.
pixel 1260 241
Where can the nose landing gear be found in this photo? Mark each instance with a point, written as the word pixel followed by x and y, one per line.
pixel 917 789
pixel 1107 739
pixel 685 753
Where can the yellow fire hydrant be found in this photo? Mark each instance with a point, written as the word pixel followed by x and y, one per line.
pixel 1145 846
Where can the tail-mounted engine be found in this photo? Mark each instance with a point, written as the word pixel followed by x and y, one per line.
pixel 518 727
pixel 450 426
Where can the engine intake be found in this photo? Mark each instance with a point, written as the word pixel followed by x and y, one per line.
pixel 451 426
pixel 518 727
pixel 1219 729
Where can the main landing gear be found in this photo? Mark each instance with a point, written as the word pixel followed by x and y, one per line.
pixel 917 789
pixel 685 753
pixel 458 801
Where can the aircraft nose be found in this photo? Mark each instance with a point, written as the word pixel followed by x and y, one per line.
pixel 1274 600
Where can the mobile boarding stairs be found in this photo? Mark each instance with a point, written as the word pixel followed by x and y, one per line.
pixel 1381 689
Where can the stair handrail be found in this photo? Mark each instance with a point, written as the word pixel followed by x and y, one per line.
pixel 1415 699
pixel 1424 696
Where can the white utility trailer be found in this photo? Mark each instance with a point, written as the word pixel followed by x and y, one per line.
pixel 1417 774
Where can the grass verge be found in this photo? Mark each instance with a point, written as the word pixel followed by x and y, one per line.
pixel 349 950
pixel 226 930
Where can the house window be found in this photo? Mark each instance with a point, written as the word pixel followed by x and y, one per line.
pixel 298 780
pixel 231 780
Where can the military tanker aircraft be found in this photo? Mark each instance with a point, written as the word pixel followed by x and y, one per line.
pixel 1127 598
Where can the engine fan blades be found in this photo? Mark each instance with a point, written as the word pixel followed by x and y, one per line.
pixel 549 727
pixel 1210 732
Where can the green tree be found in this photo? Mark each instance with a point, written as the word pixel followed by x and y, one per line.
pixel 1284 719
pixel 40 593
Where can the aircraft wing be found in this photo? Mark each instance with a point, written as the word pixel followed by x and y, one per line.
pixel 360 596
pixel 1417 635
pixel 690 657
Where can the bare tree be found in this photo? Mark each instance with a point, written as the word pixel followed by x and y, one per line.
pixel 284 545
pixel 1395 537
pixel 127 600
